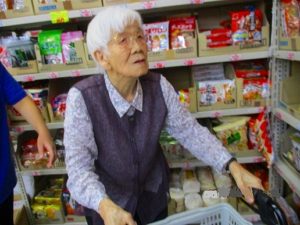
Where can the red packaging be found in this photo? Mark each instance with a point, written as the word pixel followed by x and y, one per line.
pixel 257 88
pixel 290 14
pixel 182 31
pixel 250 69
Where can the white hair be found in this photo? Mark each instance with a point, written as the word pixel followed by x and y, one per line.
pixel 105 23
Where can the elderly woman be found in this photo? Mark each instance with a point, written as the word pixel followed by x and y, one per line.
pixel 113 122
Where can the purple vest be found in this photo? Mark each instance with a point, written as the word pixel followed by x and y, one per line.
pixel 130 162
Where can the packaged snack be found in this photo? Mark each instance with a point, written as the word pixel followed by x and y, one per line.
pixel 192 201
pixel 50 46
pixel 182 31
pixel 71 206
pixel 290 14
pixel 157 36
pixel 68 47
pixel 212 92
pixel 208 72
pixel 218 34
pixel 250 69
pixel 184 97
pixel 296 150
pixel 256 88
pixel 246 25
pixel 59 106
pixel 233 134
pixel 190 183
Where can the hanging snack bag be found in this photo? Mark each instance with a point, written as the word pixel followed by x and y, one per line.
pixel 50 46
pixel 182 32
pixel 157 36
pixel 68 47
pixel 290 14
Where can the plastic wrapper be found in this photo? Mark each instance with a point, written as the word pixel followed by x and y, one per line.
pixel 190 183
pixel 210 197
pixel 208 72
pixel 184 97
pixel 290 14
pixel 212 92
pixel 178 196
pixel 233 134
pixel 193 201
pixel 68 47
pixel 59 106
pixel 256 88
pixel 71 206
pixel 206 179
pixel 250 69
pixel 182 31
pixel 157 36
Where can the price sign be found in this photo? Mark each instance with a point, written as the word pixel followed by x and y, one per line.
pixel 216 114
pixel 278 115
pixel 59 17
pixel 235 57
pixel 159 65
pixel 197 2
pixel 291 55
pixel 189 62
pixel 53 75
pixel 36 173
pixel 28 78
pixel 149 4
pixel 86 13
pixel 76 73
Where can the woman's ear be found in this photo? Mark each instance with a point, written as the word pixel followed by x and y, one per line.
pixel 102 59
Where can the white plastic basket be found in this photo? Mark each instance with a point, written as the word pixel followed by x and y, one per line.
pixel 221 214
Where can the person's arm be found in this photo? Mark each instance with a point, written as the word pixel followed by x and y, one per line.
pixel 32 114
pixel 201 143
pixel 14 95
pixel 81 153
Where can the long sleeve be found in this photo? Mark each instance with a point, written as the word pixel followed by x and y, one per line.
pixel 194 137
pixel 81 152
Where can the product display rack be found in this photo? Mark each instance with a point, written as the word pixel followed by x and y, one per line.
pixel 279 168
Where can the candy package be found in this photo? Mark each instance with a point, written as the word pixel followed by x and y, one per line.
pixel 290 14
pixel 250 69
pixel 68 47
pixel 157 36
pixel 182 31
pixel 59 106
pixel 50 46
pixel 256 88
pixel 184 97
pixel 212 92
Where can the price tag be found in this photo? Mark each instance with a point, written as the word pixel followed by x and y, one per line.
pixel 159 65
pixel 235 57
pixel 197 2
pixel 36 173
pixel 278 115
pixel 258 159
pixel 189 62
pixel 86 13
pixel 18 129
pixel 216 114
pixel 28 78
pixel 261 109
pixel 149 4
pixel 187 165
pixel 59 17
pixel 53 75
pixel 291 55
pixel 76 73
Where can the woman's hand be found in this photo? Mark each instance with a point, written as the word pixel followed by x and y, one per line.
pixel 46 147
pixel 245 180
pixel 112 214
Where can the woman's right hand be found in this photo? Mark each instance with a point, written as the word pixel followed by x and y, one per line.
pixel 112 214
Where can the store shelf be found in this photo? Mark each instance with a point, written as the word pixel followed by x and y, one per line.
pixel 249 156
pixel 228 112
pixel 288 55
pixel 285 116
pixel 146 5
pixel 43 172
pixel 152 65
pixel 20 127
pixel 289 174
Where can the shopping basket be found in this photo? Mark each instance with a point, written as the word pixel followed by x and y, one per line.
pixel 225 214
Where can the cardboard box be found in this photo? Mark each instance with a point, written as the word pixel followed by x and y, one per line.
pixel 231 96
pixel 181 78
pixel 20 217
pixel 289 94
pixel 241 102
pixel 89 59
pixel 13 13
pixel 82 63
pixel 30 69
pixel 209 18
pixel 40 8
pixel 183 53
pixel 117 2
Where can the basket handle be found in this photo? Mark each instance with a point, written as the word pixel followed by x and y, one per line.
pixel 269 211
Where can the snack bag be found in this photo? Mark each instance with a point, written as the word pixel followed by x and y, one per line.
pixel 184 97
pixel 59 106
pixel 250 69
pixel 50 46
pixel 182 31
pixel 257 88
pixel 68 47
pixel 290 14
pixel 157 36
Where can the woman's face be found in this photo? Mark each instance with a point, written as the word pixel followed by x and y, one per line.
pixel 128 52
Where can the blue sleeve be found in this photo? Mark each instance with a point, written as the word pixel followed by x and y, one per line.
pixel 11 90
